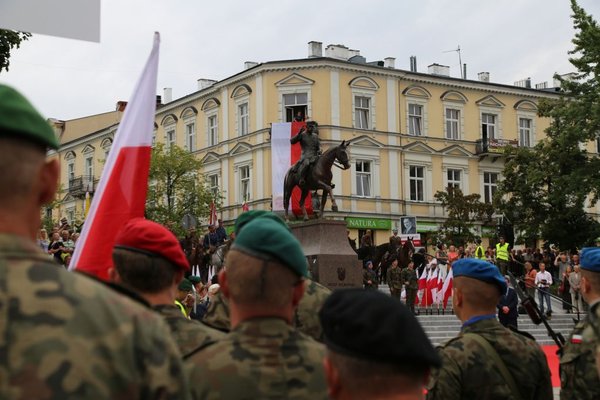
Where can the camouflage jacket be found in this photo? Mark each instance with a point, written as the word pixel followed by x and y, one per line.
pixel 306 318
pixel 409 278
pixel 578 375
pixel 262 358
pixel 394 278
pixel 65 336
pixel 469 373
pixel 217 315
pixel 189 334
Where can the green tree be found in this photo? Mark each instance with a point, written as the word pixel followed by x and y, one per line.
pixel 9 40
pixel 546 188
pixel 463 212
pixel 176 188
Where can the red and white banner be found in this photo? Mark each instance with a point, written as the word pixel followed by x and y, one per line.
pixel 446 290
pixel 122 190
pixel 213 219
pixel 284 155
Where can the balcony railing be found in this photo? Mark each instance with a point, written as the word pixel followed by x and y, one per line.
pixel 81 184
pixel 494 146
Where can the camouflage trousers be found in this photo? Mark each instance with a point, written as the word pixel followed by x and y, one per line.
pixel 411 295
pixel 395 293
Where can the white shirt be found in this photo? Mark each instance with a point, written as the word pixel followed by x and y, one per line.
pixel 540 276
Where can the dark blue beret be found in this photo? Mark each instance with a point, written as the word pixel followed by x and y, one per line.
pixel 370 325
pixel 480 270
pixel 590 259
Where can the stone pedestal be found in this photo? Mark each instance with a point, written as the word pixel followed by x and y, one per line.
pixel 331 260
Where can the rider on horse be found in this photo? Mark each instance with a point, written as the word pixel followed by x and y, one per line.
pixel 311 149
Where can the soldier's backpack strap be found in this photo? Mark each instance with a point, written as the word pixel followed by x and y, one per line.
pixel 508 378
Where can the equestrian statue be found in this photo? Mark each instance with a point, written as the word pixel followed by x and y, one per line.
pixel 313 169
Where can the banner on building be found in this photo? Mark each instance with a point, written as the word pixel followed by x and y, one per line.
pixel 283 156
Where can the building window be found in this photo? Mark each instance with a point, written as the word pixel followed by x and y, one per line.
pixel 70 172
pixel 417 183
pixel 363 178
pixel 171 138
pixel 454 178
pixel 70 214
pixel 190 135
pixel 243 119
pixel 244 183
pixel 294 104
pixel 89 166
pixel 488 126
pixel 415 119
pixel 362 111
pixel 490 186
pixel 525 132
pixel 452 123
pixel 213 184
pixel 213 130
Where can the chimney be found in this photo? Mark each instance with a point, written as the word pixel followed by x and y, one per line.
pixel 121 105
pixel 438 69
pixel 524 83
pixel 389 62
pixel 168 94
pixel 413 63
pixel 340 52
pixel 464 71
pixel 250 64
pixel 567 77
pixel 541 85
pixel 158 100
pixel 483 76
pixel 315 49
pixel 204 83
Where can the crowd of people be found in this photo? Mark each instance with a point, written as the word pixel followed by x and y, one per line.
pixel 261 329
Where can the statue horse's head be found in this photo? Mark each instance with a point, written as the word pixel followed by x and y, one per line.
pixel 341 155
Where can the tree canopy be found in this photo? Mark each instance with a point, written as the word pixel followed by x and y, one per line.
pixel 547 188
pixel 8 41
pixel 176 188
pixel 463 211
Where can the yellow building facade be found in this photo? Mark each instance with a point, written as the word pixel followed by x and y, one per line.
pixel 411 134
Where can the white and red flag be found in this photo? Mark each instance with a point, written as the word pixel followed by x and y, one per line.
pixel 423 279
pixel 213 218
pixel 447 288
pixel 121 193
pixel 284 155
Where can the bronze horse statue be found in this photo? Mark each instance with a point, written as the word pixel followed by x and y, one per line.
pixel 319 177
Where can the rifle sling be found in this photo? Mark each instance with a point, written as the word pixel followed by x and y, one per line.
pixel 487 347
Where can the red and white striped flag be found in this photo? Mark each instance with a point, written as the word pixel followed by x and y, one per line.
pixel 423 279
pixel 284 155
pixel 121 193
pixel 245 206
pixel 213 218
pixel 447 288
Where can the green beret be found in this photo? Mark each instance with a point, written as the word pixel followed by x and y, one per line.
pixel 194 279
pixel 19 120
pixel 248 216
pixel 268 238
pixel 185 285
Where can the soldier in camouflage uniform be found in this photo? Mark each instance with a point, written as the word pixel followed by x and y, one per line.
pixel 149 260
pixel 370 277
pixel 394 279
pixel 486 360
pixel 411 284
pixel 578 375
pixel 64 335
pixel 263 357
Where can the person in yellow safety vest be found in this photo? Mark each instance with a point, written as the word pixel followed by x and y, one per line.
pixel 502 255
pixel 184 296
pixel 479 251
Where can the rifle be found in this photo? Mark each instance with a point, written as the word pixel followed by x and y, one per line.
pixel 537 317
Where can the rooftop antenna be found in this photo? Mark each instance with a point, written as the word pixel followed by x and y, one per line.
pixel 460 64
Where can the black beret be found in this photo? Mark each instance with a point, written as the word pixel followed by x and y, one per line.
pixel 371 325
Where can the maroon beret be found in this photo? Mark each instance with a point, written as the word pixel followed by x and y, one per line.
pixel 148 237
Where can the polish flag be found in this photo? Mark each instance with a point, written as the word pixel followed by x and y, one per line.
pixel 212 220
pixel 283 156
pixel 121 193
pixel 432 284
pixel 423 279
pixel 428 293
pixel 447 288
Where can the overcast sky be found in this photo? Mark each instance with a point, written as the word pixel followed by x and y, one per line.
pixel 511 39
